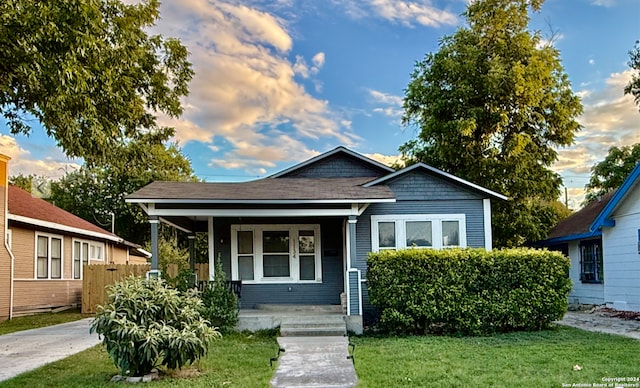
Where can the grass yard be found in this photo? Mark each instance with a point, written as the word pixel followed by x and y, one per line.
pixel 236 360
pixel 539 359
pixel 39 320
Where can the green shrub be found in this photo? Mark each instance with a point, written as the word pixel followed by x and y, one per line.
pixel 219 303
pixel 146 324
pixel 467 291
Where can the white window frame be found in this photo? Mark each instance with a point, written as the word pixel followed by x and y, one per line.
pixel 89 259
pixel 436 220
pixel 294 261
pixel 48 236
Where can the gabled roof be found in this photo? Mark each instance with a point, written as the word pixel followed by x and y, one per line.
pixel 264 191
pixel 578 225
pixel 25 208
pixel 438 173
pixel 603 219
pixel 328 154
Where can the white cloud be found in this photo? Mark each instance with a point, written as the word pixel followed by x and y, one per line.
pixel 410 13
pixel 245 85
pixel 603 3
pixel 610 118
pixel 385 159
pixel 592 61
pixel 392 103
pixel 53 166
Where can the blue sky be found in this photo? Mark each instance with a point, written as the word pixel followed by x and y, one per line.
pixel 278 82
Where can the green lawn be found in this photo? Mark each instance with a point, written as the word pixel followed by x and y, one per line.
pixel 540 359
pixel 38 320
pixel 236 360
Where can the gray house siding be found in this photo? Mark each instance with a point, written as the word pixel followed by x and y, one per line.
pixel 420 193
pixel 327 292
pixel 337 166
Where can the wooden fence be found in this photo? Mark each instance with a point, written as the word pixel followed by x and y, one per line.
pixel 202 269
pixel 96 278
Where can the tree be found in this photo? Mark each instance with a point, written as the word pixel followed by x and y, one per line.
pixel 89 73
pixel 492 104
pixel 633 87
pixel 25 182
pixel 609 174
pixel 95 191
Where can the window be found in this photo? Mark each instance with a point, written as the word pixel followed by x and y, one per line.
pixel 276 253
pixel 48 256
pixel 418 231
pixel 591 268
pixel 83 252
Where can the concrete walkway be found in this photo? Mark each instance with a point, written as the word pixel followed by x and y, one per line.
pixel 30 349
pixel 314 362
pixel 601 323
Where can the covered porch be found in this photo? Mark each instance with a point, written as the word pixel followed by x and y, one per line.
pixel 289 256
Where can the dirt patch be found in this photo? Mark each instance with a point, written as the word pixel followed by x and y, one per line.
pixel 613 313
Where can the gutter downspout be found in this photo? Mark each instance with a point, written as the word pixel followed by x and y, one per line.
pixel 6 245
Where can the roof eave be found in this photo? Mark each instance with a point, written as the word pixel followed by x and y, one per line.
pixel 573 237
pixel 603 220
pixel 64 228
pixel 195 201
pixel 437 172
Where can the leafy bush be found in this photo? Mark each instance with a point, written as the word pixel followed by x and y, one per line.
pixel 146 324
pixel 220 304
pixel 468 291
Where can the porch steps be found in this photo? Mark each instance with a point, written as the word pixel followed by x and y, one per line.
pixel 313 325
pixel 300 308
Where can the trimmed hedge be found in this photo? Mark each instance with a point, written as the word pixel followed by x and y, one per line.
pixel 468 291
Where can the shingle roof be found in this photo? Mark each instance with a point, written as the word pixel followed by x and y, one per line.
pixel 22 203
pixel 268 189
pixel 579 222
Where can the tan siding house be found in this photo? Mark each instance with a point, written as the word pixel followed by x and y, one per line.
pixel 44 249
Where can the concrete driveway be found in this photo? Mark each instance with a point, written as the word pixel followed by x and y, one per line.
pixel 30 349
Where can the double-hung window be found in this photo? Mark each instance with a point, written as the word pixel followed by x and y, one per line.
pixel 48 256
pixel 392 232
pixel 276 253
pixel 83 251
pixel 591 268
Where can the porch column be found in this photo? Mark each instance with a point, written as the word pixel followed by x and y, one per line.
pixel 211 242
pixel 354 295
pixel 192 251
pixel 153 220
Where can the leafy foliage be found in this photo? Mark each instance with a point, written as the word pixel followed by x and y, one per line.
pixel 492 105
pixel 220 304
pixel 609 174
pixel 94 191
pixel 25 182
pixel 146 323
pixel 470 291
pixel 89 73
pixel 633 87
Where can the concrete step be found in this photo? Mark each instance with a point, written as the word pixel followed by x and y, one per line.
pixel 313 325
pixel 293 308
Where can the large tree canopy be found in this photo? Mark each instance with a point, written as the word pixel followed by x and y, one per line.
pixel 88 72
pixel 633 87
pixel 492 104
pixel 609 174
pixel 94 192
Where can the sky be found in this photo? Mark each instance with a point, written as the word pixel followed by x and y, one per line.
pixel 280 81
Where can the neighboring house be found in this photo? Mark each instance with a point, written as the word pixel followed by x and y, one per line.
pixel 603 242
pixel 301 236
pixel 44 249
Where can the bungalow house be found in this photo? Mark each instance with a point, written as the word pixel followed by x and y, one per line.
pixel 302 235
pixel 43 251
pixel 603 242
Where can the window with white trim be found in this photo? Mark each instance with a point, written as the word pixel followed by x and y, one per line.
pixel 276 253
pixel 48 256
pixel 83 252
pixel 392 232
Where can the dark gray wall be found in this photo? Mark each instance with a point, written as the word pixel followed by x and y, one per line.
pixel 338 166
pixel 327 292
pixel 419 192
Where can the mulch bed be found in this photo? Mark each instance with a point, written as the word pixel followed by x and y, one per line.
pixel 627 315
